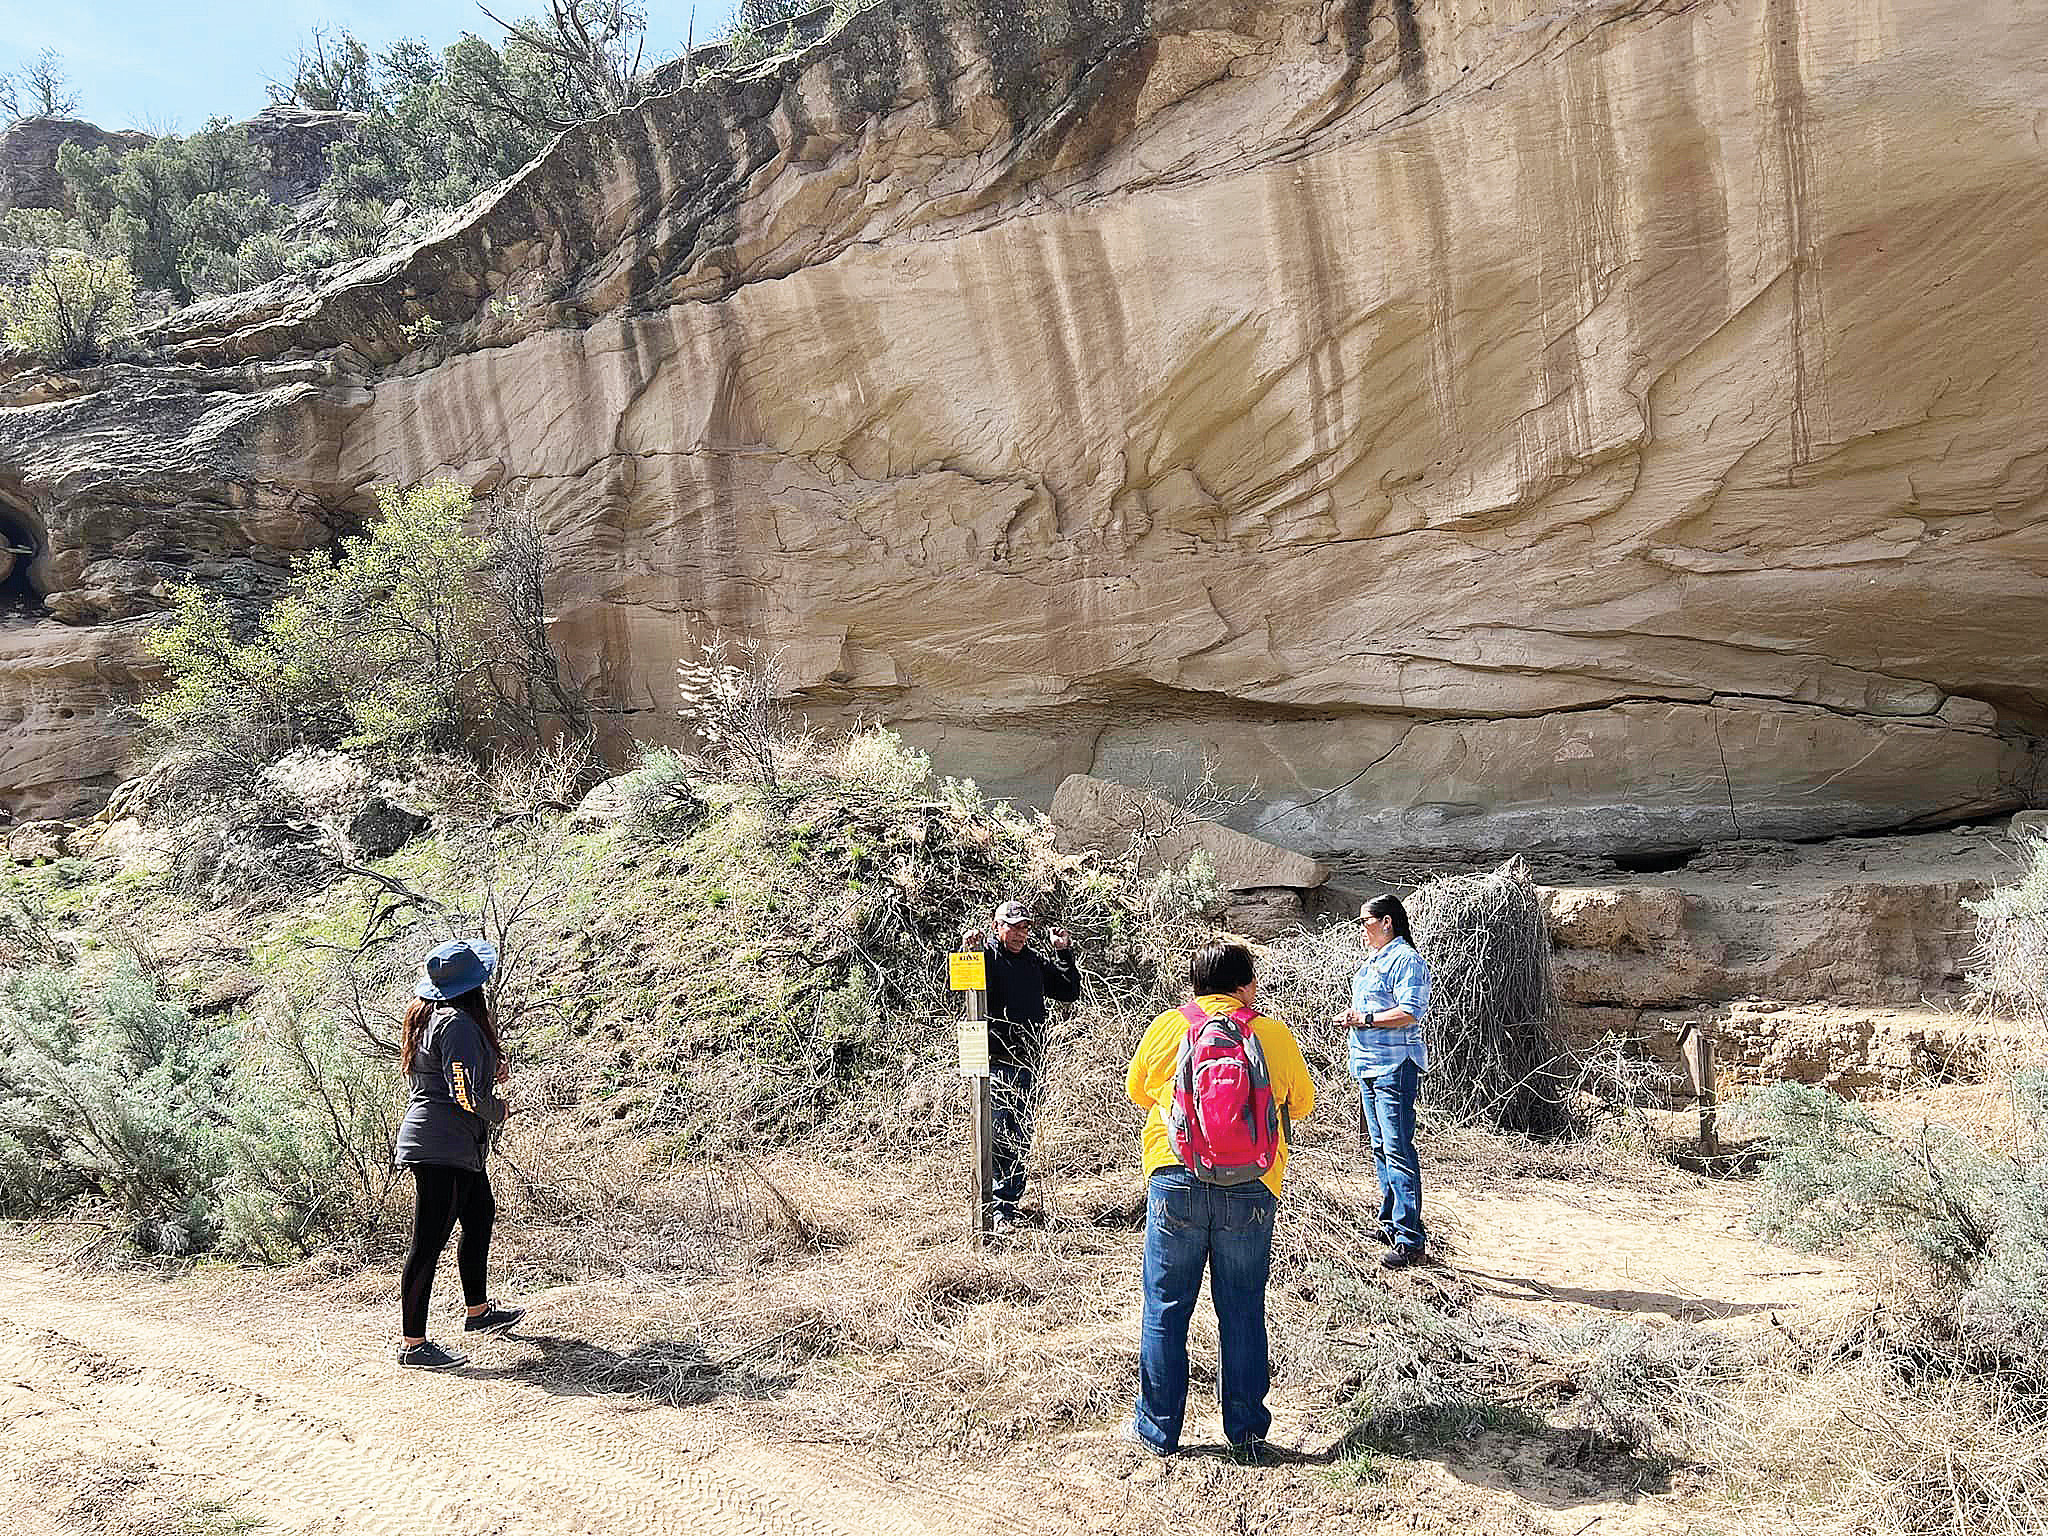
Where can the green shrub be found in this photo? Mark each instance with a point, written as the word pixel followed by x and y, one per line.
pixel 762 27
pixel 71 309
pixel 175 206
pixel 262 258
pixel 876 760
pixel 315 1117
pixel 332 73
pixel 447 124
pixel 661 803
pixel 110 1090
pixel 1974 1216
pixel 381 648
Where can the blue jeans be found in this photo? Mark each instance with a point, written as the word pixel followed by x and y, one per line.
pixel 1187 1224
pixel 1012 1107
pixel 1389 1100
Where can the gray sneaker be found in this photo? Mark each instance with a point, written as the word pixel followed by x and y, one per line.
pixel 493 1319
pixel 429 1356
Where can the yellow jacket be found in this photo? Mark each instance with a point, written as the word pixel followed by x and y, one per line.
pixel 1150 1083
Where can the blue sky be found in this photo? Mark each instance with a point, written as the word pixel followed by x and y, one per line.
pixel 171 64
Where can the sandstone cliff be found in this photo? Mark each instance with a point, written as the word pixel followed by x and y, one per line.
pixel 28 157
pixel 1599 422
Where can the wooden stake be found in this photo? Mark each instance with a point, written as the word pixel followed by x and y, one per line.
pixel 981 1136
pixel 1696 1045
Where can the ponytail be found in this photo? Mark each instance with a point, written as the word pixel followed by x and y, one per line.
pixel 1389 905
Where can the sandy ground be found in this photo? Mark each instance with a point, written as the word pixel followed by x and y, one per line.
pixel 113 1391
pixel 1589 1247
pixel 215 1401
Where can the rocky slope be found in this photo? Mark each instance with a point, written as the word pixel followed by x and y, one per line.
pixel 1608 423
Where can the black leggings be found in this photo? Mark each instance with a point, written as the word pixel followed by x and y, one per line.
pixel 445 1196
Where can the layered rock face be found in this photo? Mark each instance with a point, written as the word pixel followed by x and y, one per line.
pixel 28 157
pixel 1486 426
pixel 1841 963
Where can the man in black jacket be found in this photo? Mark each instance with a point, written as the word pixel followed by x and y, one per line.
pixel 1020 983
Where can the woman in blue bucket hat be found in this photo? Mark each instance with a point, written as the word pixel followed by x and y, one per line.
pixel 454 1065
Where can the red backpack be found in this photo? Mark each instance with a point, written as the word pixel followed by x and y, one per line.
pixel 1222 1121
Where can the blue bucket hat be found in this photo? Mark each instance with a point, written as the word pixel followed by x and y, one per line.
pixel 459 966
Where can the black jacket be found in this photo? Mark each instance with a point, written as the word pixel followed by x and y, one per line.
pixel 1018 988
pixel 454 1102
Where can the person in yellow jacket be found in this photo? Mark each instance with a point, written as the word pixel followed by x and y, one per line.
pixel 1190 1223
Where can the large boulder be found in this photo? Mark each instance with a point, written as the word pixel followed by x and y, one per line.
pixel 295 141
pixel 39 842
pixel 1095 813
pixel 28 157
pixel 382 826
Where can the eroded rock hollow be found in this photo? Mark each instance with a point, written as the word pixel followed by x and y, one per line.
pixel 1487 426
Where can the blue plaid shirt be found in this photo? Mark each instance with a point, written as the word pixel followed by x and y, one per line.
pixel 1394 976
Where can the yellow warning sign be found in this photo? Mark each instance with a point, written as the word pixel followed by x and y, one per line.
pixel 968 971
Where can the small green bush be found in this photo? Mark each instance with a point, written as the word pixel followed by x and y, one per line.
pixel 876 760
pixel 661 804
pixel 71 309
pixel 315 1117
pixel 110 1090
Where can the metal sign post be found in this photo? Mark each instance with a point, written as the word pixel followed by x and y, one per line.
pixel 968 974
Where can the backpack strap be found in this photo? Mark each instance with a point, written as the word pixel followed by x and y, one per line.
pixel 1195 1013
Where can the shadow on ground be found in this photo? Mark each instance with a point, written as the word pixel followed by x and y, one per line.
pixel 678 1372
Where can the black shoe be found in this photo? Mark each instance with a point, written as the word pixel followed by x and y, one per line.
pixel 429 1356
pixel 493 1319
pixel 1400 1258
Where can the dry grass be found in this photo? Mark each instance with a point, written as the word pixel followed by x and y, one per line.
pixel 848 1306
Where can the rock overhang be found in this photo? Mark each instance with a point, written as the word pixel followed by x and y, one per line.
pixel 1476 432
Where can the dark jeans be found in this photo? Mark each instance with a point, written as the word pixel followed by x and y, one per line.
pixel 1013 1104
pixel 1389 1101
pixel 442 1197
pixel 1187 1224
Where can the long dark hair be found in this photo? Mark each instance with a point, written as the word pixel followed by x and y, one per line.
pixel 421 1009
pixel 1389 905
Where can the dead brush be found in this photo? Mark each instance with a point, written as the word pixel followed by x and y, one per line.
pixel 594 1207
pixel 1495 1053
pixel 1832 1426
pixel 965 1350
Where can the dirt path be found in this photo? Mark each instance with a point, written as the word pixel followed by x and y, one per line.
pixel 1561 1250
pixel 157 1407
pixel 137 1406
